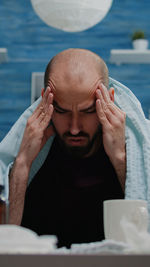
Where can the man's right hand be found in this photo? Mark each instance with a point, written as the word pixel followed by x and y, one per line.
pixel 37 130
pixel 35 136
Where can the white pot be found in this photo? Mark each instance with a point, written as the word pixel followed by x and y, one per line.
pixel 140 44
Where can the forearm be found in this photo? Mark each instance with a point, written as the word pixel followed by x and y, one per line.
pixel 17 189
pixel 119 163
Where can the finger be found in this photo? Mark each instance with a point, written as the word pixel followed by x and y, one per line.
pixel 104 104
pixel 46 117
pixel 104 92
pixel 46 100
pixel 109 106
pixel 43 102
pixel 45 112
pixel 45 108
pixel 101 114
pixel 105 109
pixel 115 110
pixel 46 94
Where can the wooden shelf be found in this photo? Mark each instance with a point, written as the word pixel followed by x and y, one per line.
pixel 120 56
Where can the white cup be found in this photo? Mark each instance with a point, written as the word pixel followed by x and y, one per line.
pixel 135 211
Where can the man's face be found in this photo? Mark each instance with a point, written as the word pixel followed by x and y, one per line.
pixel 77 126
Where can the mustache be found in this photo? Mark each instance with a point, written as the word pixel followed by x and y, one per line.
pixel 80 134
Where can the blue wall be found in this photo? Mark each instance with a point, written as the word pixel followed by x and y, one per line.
pixel 31 44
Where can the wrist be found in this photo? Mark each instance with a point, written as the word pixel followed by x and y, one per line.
pixel 18 181
pixel 119 158
pixel 23 161
pixel 119 164
pixel 22 166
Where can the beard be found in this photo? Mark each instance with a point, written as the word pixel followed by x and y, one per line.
pixel 80 151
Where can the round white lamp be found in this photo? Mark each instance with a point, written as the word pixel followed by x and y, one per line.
pixel 71 15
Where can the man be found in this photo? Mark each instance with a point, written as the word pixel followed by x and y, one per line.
pixel 87 160
pixel 74 146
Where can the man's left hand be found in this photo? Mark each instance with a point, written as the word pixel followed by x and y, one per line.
pixel 112 120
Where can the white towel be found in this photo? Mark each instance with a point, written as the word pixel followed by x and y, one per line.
pixel 137 146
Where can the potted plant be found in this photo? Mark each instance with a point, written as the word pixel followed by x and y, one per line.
pixel 139 40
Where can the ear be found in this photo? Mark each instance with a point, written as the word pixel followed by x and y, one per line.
pixel 111 93
pixel 42 92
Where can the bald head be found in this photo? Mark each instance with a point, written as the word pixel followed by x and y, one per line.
pixel 74 73
pixel 77 63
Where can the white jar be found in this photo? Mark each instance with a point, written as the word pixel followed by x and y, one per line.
pixel 140 44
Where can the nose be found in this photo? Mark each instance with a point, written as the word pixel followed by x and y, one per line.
pixel 75 125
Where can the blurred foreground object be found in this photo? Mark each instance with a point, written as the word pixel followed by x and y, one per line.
pixel 71 15
pixel 19 240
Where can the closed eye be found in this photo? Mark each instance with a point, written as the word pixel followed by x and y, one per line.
pixel 90 111
pixel 60 111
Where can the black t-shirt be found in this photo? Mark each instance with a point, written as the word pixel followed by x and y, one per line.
pixel 66 196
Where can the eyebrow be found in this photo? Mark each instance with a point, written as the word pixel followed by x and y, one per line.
pixel 81 110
